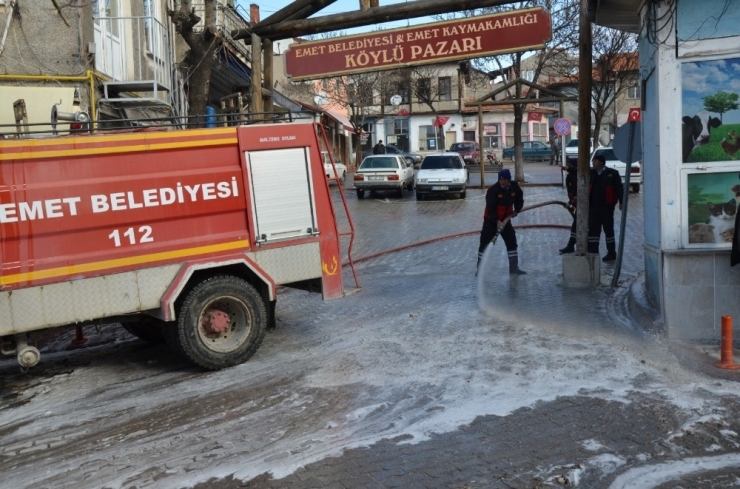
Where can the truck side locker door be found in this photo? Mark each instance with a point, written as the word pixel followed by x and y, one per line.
pixel 282 194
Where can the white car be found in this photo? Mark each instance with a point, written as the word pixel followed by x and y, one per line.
pixel 384 172
pixel 341 169
pixel 613 162
pixel 440 174
pixel 571 151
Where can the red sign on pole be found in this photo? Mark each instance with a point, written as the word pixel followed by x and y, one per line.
pixel 635 115
pixel 518 30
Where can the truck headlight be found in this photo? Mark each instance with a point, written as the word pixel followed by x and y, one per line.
pixel 422 180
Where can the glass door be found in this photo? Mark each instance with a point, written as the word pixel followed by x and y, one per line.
pixel 109 53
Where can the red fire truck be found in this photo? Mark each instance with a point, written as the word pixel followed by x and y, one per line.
pixel 181 236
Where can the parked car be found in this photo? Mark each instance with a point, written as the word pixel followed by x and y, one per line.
pixel 571 151
pixel 531 150
pixel 440 174
pixel 392 150
pixel 384 172
pixel 469 150
pixel 341 168
pixel 613 162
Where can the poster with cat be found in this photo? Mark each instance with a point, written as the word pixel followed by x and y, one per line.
pixel 713 201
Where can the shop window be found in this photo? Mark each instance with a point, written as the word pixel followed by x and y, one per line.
pixel 510 133
pixel 491 135
pixel 428 138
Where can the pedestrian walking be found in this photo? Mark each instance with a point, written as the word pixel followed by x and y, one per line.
pixel 571 186
pixel 379 149
pixel 555 147
pixel 605 192
pixel 504 200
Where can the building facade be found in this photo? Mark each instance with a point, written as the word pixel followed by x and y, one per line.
pixel 689 61
pixel 112 59
pixel 80 58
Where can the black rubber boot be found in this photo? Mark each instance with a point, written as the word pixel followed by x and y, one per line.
pixel 514 267
pixel 611 252
pixel 569 248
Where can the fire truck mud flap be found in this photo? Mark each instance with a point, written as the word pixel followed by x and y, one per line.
pixel 221 323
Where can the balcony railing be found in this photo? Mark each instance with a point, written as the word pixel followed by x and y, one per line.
pixel 227 20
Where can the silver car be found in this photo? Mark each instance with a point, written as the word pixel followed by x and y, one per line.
pixel 384 172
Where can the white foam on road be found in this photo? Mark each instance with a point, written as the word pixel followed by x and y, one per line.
pixel 387 363
pixel 654 475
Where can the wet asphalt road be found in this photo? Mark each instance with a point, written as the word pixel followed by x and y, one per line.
pixel 404 384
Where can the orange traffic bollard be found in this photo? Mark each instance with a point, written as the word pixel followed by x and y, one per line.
pixel 725 360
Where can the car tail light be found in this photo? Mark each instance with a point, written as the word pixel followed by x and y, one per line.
pixel 634 169
pixel 393 177
pixel 359 178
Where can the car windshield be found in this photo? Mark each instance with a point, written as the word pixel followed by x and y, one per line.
pixel 461 147
pixel 572 144
pixel 441 162
pixel 379 163
pixel 608 154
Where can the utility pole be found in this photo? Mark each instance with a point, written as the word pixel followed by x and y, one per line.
pixel 585 51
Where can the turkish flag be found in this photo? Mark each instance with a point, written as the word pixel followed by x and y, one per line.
pixel 534 116
pixel 635 115
pixel 440 121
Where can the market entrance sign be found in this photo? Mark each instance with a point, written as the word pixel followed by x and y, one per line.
pixel 518 30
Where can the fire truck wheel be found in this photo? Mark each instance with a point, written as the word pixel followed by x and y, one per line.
pixel 221 323
pixel 148 329
pixel 360 194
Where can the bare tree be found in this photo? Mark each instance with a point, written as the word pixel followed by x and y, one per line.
pixel 360 95
pixel 533 65
pixel 426 86
pixel 615 71
pixel 202 56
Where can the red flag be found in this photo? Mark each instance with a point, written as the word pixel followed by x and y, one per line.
pixel 534 116
pixel 440 121
pixel 635 115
